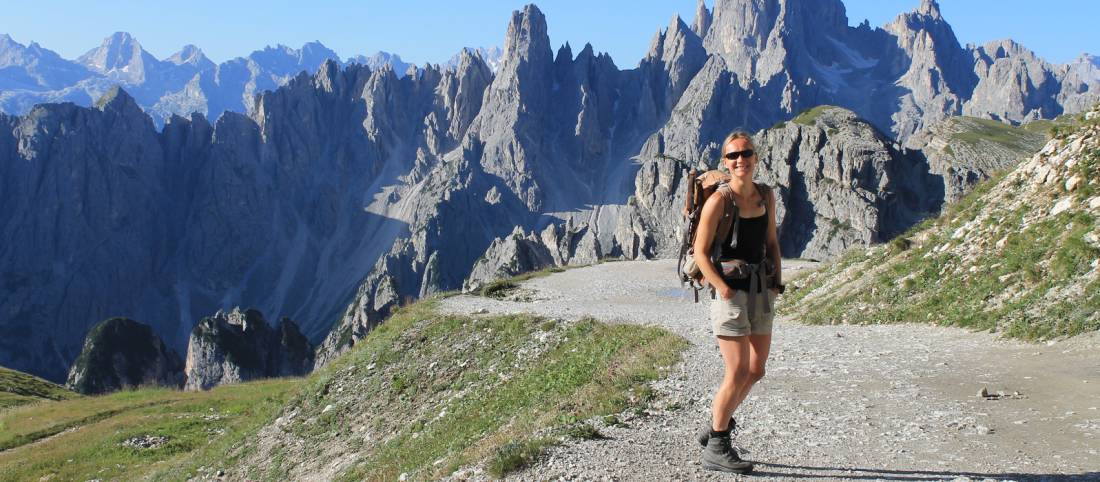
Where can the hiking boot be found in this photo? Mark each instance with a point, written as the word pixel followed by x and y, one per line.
pixel 721 456
pixel 704 432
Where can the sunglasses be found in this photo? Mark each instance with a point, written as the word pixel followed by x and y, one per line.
pixel 747 153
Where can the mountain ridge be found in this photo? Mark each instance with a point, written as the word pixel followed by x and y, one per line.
pixel 183 83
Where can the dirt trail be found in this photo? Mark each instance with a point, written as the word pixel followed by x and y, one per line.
pixel 896 402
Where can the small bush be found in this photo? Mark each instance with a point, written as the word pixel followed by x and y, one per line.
pixel 583 431
pixel 516 456
pixel 498 289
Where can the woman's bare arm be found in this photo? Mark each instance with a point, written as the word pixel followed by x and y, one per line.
pixel 711 214
pixel 773 240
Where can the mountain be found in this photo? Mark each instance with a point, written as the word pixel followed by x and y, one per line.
pixel 348 192
pixel 379 59
pixel 239 346
pixel 184 83
pixel 122 353
pixel 791 54
pixel 35 68
pixel 491 56
pixel 1018 255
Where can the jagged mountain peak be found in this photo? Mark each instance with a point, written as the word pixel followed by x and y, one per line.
pixel 117 99
pixel 703 19
pixel 191 55
pixel 118 52
pixel 930 8
pixel 489 56
pixel 673 41
pixel 527 37
pixel 310 55
pixel 998 49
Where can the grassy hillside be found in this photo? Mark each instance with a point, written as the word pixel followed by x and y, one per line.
pixel 18 388
pixel 424 394
pixel 86 438
pixel 1018 255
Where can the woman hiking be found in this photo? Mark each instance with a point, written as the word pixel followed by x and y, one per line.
pixel 745 283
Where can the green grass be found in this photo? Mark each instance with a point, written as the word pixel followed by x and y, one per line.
pixel 807 118
pixel 492 394
pixel 81 438
pixel 919 284
pixel 979 131
pixel 1053 127
pixel 588 369
pixel 18 388
pixel 515 456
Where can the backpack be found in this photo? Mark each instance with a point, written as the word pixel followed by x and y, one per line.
pixel 699 188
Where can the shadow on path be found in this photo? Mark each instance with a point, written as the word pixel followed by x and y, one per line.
pixel 855 473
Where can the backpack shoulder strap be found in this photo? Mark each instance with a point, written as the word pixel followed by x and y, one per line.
pixel 729 221
pixel 765 192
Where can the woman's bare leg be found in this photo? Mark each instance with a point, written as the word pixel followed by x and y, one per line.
pixel 735 356
pixel 759 348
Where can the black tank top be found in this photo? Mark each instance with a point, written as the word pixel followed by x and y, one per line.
pixel 751 233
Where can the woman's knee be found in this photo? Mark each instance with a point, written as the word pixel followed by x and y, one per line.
pixel 736 376
pixel 755 374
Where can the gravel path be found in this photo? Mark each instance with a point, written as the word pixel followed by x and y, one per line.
pixel 893 402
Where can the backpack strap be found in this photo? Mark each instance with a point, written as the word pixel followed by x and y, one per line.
pixel 765 191
pixel 727 226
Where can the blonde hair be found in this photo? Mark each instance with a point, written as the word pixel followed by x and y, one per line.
pixel 738 134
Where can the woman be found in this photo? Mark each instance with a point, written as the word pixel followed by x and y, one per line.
pixel 741 314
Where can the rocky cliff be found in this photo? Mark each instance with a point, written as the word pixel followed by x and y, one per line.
pixel 239 346
pixel 122 353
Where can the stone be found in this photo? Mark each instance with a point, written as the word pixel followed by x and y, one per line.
pixel 1093 239
pixel 1072 183
pixel 1061 206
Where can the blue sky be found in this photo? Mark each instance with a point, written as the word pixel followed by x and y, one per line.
pixel 432 31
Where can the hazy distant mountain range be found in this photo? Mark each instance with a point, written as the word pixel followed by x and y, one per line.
pixel 340 194
pixel 183 83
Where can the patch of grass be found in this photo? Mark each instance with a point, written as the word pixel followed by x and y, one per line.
pixel 585 369
pixel 583 431
pixel 82 439
pixel 807 118
pixel 978 131
pixel 18 388
pixel 917 285
pixel 1054 127
pixel 515 456
pixel 498 289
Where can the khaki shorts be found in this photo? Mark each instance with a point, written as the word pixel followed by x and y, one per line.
pixel 732 318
